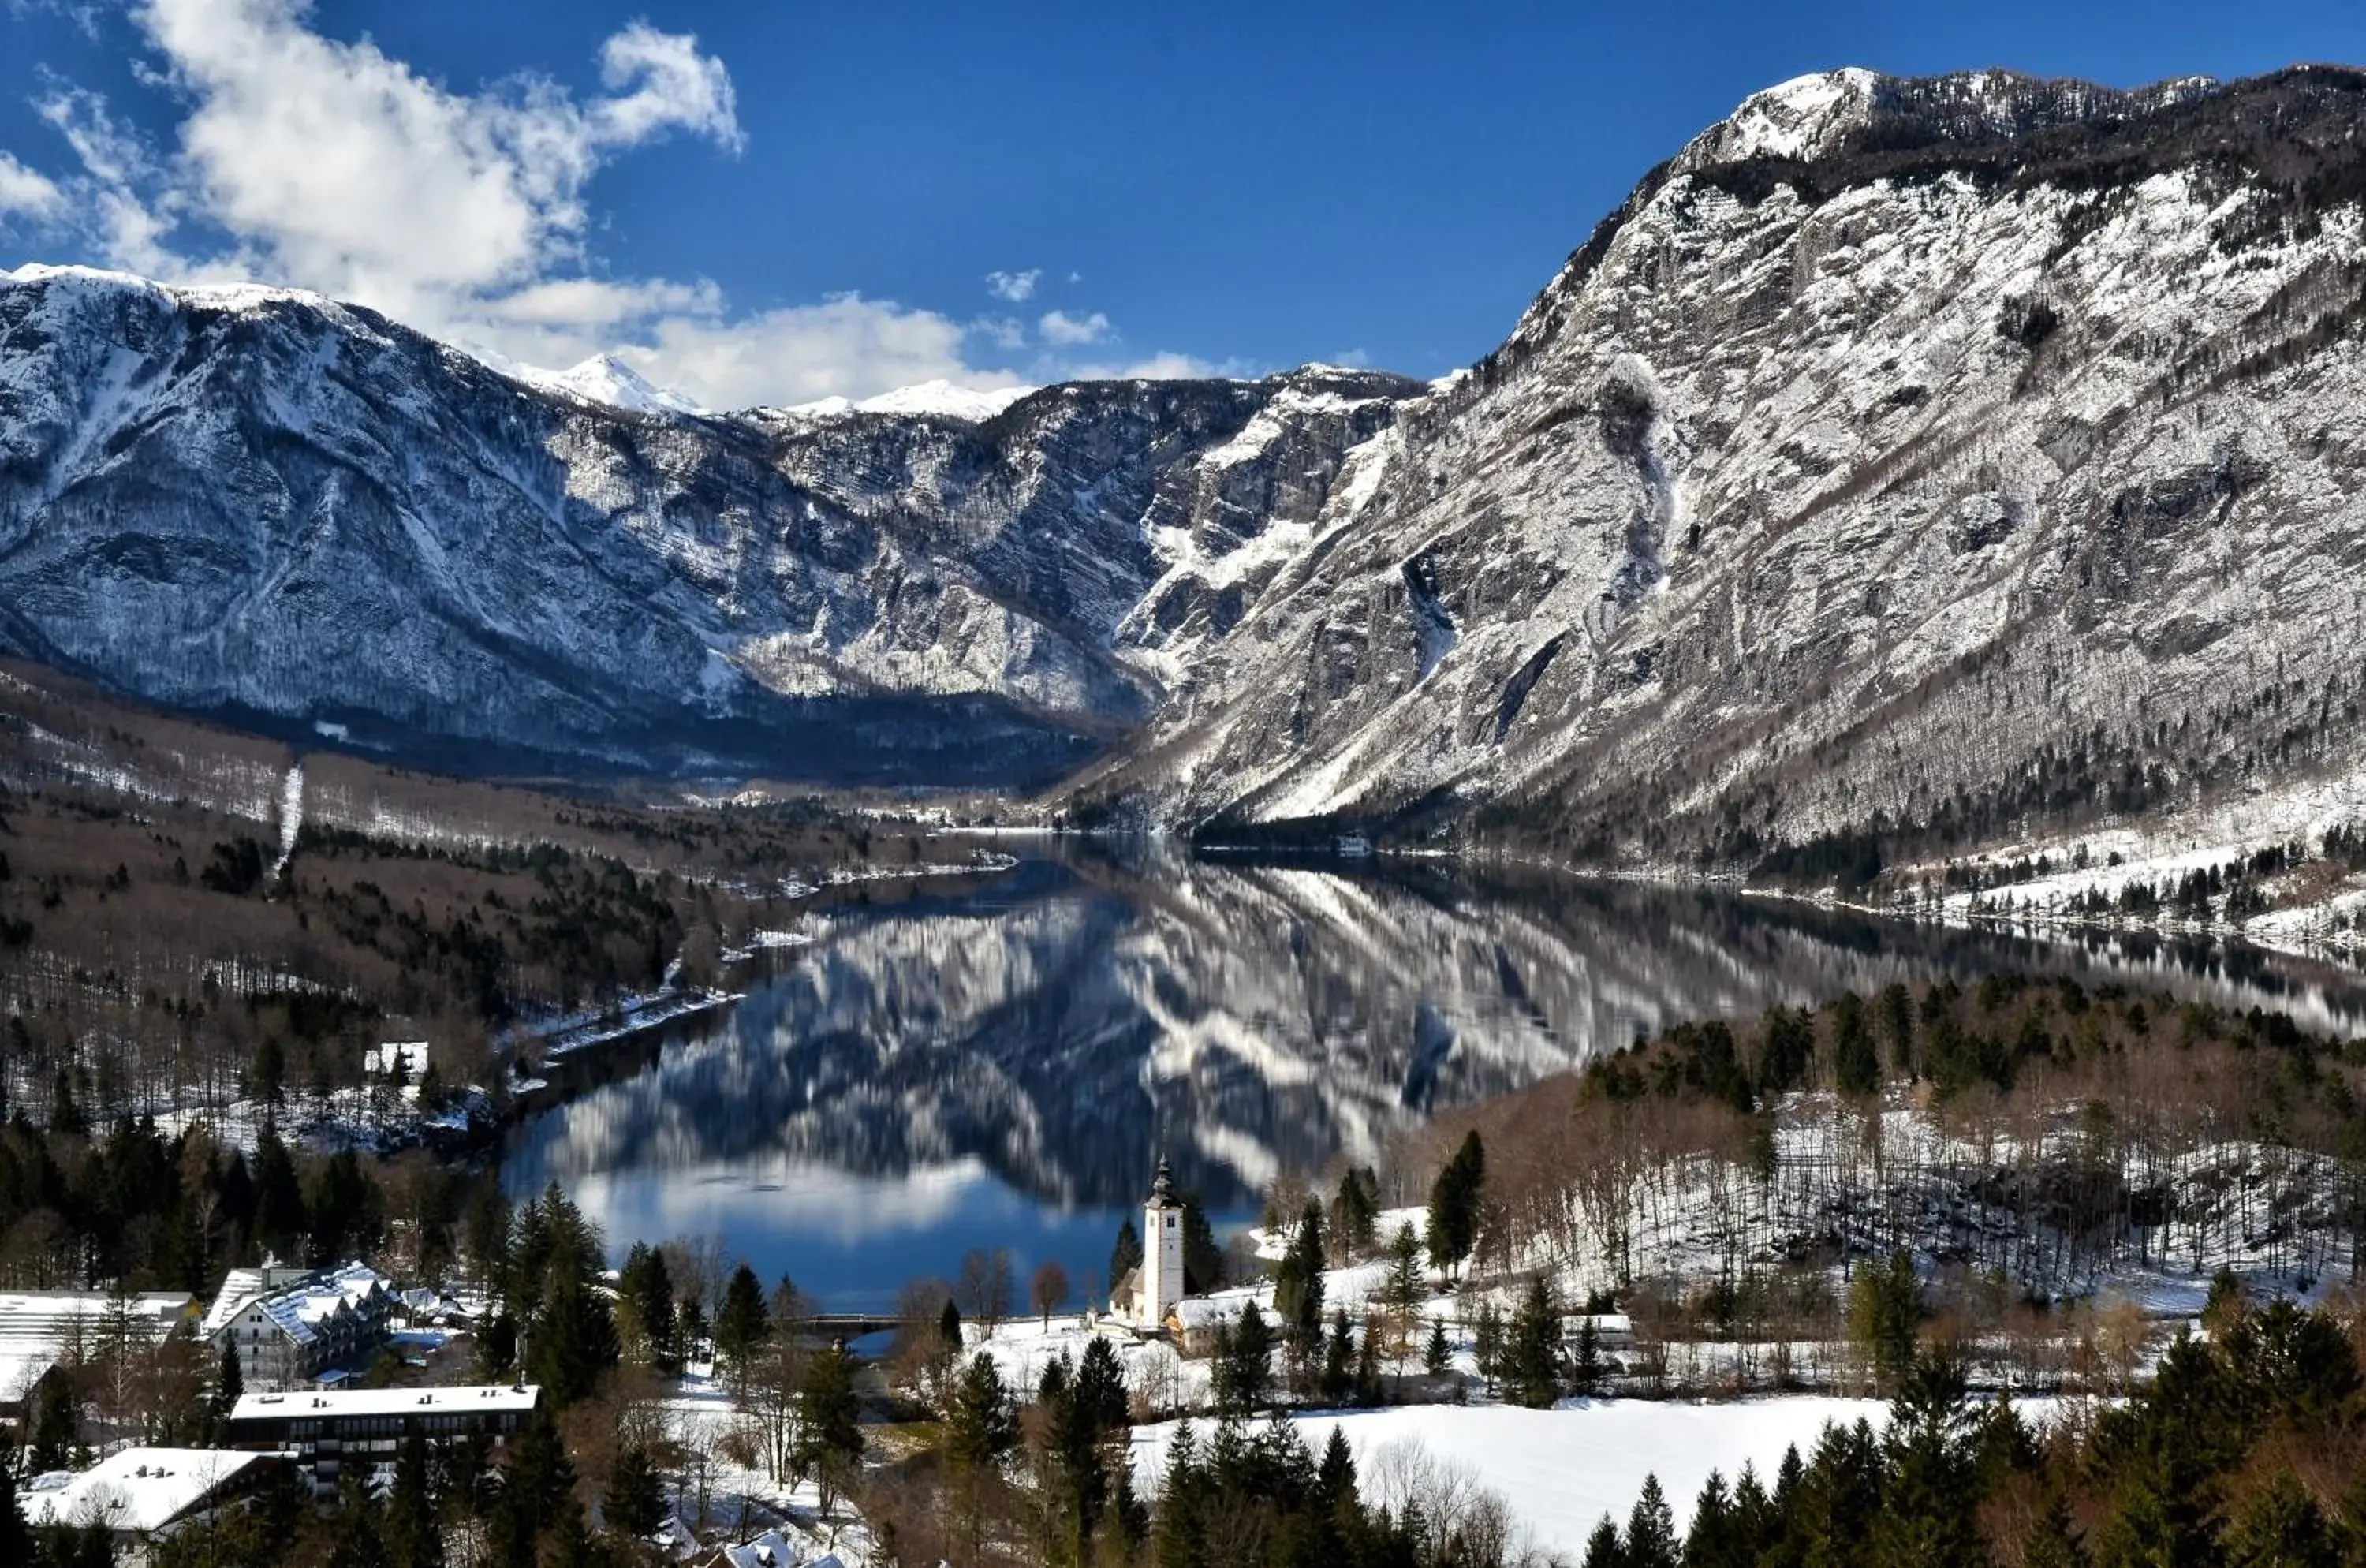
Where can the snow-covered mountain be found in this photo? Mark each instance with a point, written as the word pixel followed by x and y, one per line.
pixel 266 505
pixel 1901 453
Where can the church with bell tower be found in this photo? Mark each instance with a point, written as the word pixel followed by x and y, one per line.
pixel 1145 1296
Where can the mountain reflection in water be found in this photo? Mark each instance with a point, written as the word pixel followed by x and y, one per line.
pixel 1000 1067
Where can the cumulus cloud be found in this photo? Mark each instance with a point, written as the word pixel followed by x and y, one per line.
pixel 1016 287
pixel 1065 331
pixel 846 346
pixel 302 160
pixel 26 194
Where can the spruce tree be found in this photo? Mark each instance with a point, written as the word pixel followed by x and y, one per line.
pixel 1454 1204
pixel 1436 1355
pixel 742 1325
pixel 635 1502
pixel 1532 1348
pixel 1125 1257
pixel 1651 1531
pixel 1603 1548
pixel 980 1429
pixel 831 1431
pixel 413 1537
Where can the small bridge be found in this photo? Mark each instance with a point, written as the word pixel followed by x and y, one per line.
pixel 849 1325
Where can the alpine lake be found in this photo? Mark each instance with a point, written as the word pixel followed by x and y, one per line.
pixel 999 1060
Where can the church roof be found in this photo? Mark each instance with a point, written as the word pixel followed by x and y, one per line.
pixel 1162 1188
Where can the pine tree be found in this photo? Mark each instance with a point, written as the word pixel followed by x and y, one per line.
pixel 1487 1347
pixel 1454 1204
pixel 1100 1389
pixel 1125 1257
pixel 1603 1548
pixel 230 1384
pixel 2282 1527
pixel 1651 1531
pixel 2053 1540
pixel 1338 1379
pixel 1298 1282
pixel 414 1539
pixel 1368 1363
pixel 742 1325
pixel 832 1431
pixel 1178 1539
pixel 1436 1355
pixel 1713 1539
pixel 1244 1370
pixel 1353 1212
pixel 980 1429
pixel 1586 1367
pixel 1532 1348
pixel 635 1502
pixel 1856 1062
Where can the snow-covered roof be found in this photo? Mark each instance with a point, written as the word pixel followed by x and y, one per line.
pixel 139 1489
pixel 300 1308
pixel 770 1550
pixel 1206 1311
pixel 32 1323
pixel 386 1401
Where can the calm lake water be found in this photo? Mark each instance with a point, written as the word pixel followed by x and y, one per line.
pixel 999 1066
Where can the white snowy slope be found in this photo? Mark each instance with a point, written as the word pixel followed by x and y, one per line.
pixel 263 503
pixel 1903 453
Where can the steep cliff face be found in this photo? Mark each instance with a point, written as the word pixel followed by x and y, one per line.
pixel 271 506
pixel 1901 456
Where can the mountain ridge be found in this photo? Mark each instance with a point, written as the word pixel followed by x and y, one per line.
pixel 1886 414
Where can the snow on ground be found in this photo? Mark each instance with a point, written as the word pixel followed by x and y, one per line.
pixel 1560 1470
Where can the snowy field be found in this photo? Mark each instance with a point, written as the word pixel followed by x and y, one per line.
pixel 1560 1470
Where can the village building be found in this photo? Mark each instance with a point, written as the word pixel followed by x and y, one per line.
pixel 1147 1295
pixel 41 1329
pixel 770 1550
pixel 293 1326
pixel 143 1495
pixel 331 1431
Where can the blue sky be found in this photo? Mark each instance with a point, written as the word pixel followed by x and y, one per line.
pixel 770 202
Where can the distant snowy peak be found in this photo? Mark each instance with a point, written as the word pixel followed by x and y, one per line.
pixel 1814 116
pixel 939 397
pixel 605 378
pixel 1798 119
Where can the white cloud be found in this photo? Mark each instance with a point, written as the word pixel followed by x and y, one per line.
pixel 302 160
pixel 672 86
pixel 1016 287
pixel 846 346
pixel 1161 366
pixel 1065 331
pixel 1002 331
pixel 26 194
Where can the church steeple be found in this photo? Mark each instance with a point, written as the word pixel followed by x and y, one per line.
pixel 1162 1188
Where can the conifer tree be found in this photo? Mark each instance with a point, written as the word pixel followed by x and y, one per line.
pixel 980 1429
pixel 1532 1348
pixel 1603 1548
pixel 1651 1531
pixel 1436 1355
pixel 413 1537
pixel 1454 1204
pixel 1125 1257
pixel 832 1432
pixel 634 1502
pixel 742 1325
